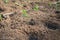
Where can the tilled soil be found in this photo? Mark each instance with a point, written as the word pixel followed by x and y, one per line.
pixel 39 25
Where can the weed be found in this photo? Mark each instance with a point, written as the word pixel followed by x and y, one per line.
pixel 36 7
pixel 24 12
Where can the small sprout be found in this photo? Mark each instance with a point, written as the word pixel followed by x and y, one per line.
pixel 36 7
pixel 1 17
pixel 6 1
pixel 24 12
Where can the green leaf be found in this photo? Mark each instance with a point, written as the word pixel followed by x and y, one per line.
pixel 24 13
pixel 36 7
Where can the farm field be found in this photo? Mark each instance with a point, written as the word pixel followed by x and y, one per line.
pixel 29 19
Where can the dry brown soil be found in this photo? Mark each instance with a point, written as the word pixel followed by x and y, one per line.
pixel 39 25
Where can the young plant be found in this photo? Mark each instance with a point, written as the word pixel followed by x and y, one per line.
pixel 6 1
pixel 24 13
pixel 36 7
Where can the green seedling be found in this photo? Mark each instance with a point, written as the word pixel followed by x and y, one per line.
pixel 36 7
pixel 24 12
pixel 6 1
pixel 1 17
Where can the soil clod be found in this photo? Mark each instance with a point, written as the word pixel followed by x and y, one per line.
pixel 32 22
pixel 52 26
pixel 1 26
pixel 57 11
pixel 33 36
pixel 1 10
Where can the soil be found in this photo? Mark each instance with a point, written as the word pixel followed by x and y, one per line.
pixel 43 24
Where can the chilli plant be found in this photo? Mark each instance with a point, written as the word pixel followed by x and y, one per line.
pixel 24 13
pixel 36 7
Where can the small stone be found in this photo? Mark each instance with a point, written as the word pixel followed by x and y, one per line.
pixel 52 26
pixel 1 10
